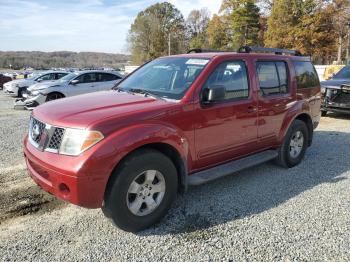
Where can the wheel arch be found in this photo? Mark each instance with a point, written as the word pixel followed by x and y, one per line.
pixel 306 118
pixel 168 150
pixel 55 92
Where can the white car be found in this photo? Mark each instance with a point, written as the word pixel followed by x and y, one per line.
pixel 71 85
pixel 19 87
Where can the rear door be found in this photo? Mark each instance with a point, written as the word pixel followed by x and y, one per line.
pixel 274 96
pixel 105 81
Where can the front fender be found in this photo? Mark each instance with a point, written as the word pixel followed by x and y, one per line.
pixel 130 138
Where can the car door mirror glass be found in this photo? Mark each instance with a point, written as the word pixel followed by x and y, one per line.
pixel 213 94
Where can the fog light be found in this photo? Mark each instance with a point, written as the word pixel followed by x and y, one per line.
pixel 64 189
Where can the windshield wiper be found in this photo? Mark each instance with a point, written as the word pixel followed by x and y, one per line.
pixel 145 92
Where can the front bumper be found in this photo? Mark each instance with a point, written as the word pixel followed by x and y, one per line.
pixel 336 100
pixel 72 179
pixel 29 102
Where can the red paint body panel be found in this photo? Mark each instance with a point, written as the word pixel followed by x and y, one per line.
pixel 204 136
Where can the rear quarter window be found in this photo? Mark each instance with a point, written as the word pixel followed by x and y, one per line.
pixel 306 75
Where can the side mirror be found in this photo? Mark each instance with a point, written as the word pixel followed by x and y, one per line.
pixel 39 80
pixel 74 82
pixel 213 94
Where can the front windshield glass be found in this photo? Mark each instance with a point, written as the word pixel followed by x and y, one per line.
pixel 68 77
pixel 166 77
pixel 343 73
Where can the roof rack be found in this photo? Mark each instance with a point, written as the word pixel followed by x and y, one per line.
pixel 276 51
pixel 200 50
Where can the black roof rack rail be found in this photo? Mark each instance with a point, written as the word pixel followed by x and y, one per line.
pixel 200 50
pixel 276 51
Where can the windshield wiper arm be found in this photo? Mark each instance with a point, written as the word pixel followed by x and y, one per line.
pixel 145 92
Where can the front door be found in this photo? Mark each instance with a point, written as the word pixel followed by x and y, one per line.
pixel 87 84
pixel 226 129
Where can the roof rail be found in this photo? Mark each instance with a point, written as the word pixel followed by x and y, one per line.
pixel 200 50
pixel 276 51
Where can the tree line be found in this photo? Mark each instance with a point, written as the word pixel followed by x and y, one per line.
pixel 63 59
pixel 319 28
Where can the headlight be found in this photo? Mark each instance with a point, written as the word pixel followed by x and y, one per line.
pixel 323 90
pixel 76 141
pixel 35 93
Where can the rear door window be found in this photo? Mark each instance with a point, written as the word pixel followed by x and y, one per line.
pixel 104 77
pixel 306 75
pixel 87 78
pixel 273 77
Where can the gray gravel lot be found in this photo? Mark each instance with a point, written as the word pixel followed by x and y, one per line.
pixel 265 213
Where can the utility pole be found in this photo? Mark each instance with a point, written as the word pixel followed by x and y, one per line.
pixel 348 44
pixel 169 45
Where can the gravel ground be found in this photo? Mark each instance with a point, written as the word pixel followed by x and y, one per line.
pixel 265 213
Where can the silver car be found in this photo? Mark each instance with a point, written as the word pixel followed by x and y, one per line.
pixel 19 87
pixel 71 85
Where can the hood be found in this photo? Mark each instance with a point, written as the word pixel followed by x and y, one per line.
pixel 40 86
pixel 335 83
pixel 83 111
pixel 20 82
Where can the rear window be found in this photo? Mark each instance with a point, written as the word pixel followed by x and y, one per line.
pixel 306 75
pixel 273 77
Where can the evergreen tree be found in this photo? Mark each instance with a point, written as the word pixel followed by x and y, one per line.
pixel 244 20
pixel 150 32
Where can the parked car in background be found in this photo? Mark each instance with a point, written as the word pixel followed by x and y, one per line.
pixel 336 93
pixel 19 87
pixel 4 79
pixel 73 84
pixel 176 121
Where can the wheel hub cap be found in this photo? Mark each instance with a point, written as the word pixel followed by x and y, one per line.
pixel 296 144
pixel 146 192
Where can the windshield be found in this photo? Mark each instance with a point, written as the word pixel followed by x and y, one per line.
pixel 166 77
pixel 68 77
pixel 343 73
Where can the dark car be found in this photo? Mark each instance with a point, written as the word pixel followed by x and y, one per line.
pixel 176 121
pixel 4 79
pixel 336 93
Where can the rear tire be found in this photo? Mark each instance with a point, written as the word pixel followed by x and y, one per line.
pixel 294 145
pixel 133 200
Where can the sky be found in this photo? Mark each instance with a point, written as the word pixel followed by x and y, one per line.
pixel 76 25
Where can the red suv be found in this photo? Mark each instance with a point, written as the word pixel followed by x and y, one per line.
pixel 177 121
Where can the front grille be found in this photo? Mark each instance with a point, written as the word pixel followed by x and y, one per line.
pixel 56 139
pixel 44 136
pixel 36 130
pixel 342 98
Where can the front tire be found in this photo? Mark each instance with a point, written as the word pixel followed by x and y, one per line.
pixel 141 190
pixel 54 96
pixel 294 145
pixel 323 113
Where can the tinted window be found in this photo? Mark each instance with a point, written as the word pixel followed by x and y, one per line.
pixel 273 77
pixel 60 75
pixel 233 76
pixel 103 77
pixel 87 78
pixel 46 77
pixel 343 73
pixel 306 75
